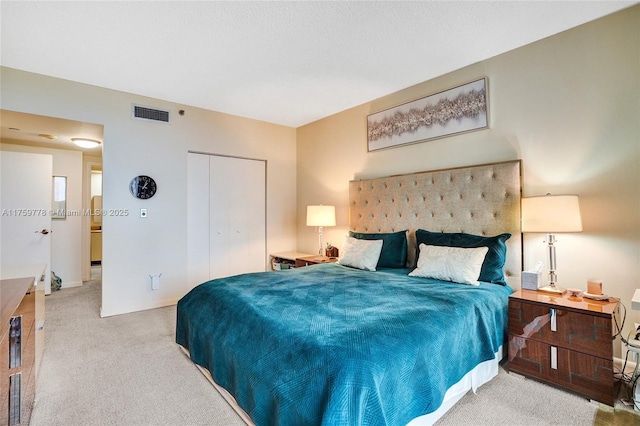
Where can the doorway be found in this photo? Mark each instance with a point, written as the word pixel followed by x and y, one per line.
pixel 95 219
pixel 70 239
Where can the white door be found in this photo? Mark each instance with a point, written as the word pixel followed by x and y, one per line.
pixel 237 216
pixel 226 226
pixel 248 224
pixel 197 219
pixel 221 210
pixel 25 203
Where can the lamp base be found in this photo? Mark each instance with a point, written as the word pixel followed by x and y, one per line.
pixel 552 289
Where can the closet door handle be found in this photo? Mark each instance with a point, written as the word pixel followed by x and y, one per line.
pixel 554 322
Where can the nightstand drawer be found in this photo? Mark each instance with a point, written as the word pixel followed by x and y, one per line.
pixel 587 375
pixel 582 332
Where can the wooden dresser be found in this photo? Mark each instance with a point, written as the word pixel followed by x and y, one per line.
pixel 17 349
pixel 564 341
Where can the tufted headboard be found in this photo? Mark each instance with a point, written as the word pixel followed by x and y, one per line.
pixel 481 200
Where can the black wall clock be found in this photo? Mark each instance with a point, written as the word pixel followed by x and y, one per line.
pixel 143 187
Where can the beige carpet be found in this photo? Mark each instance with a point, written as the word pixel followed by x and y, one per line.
pixel 127 370
pixel 122 370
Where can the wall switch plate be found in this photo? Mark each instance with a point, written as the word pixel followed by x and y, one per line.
pixel 143 212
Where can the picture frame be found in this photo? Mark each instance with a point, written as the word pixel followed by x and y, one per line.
pixel 59 198
pixel 453 111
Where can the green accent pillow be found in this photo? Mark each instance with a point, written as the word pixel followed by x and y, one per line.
pixel 491 271
pixel 394 247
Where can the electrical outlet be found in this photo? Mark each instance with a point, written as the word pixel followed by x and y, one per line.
pixel 143 212
pixel 155 281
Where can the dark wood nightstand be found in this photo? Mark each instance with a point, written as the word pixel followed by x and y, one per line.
pixel 314 260
pixel 564 341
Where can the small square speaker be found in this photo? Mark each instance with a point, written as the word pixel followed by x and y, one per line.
pixel 530 280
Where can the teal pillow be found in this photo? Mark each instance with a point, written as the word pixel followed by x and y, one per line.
pixel 394 247
pixel 491 271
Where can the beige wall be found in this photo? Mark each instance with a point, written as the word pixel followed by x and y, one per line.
pixel 134 247
pixel 568 106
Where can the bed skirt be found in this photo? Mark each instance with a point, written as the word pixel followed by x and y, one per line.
pixel 481 374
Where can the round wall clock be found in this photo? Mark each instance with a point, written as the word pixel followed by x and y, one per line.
pixel 143 187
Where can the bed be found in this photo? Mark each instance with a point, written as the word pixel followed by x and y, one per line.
pixel 338 344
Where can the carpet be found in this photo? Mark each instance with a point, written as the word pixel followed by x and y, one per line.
pixel 121 370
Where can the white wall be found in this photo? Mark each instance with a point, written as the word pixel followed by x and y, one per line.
pixel 67 233
pixel 566 105
pixel 134 247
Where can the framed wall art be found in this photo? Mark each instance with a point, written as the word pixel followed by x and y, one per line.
pixel 453 111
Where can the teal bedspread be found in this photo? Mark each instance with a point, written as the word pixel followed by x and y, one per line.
pixel 332 345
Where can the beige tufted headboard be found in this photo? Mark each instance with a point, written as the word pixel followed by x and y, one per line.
pixel 481 200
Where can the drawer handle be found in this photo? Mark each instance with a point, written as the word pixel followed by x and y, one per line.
pixel 554 323
pixel 15 342
pixel 554 357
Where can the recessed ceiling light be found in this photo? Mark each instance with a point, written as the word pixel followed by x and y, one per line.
pixel 86 143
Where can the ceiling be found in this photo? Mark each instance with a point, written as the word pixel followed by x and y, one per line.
pixel 288 63
pixel 47 132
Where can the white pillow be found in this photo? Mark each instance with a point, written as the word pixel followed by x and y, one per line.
pixel 457 264
pixel 361 254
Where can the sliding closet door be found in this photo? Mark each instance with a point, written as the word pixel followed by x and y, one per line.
pixel 229 229
pixel 197 219
pixel 237 216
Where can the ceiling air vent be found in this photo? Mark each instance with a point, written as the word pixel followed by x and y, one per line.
pixel 145 113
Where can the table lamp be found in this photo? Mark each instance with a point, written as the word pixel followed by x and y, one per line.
pixel 551 214
pixel 321 216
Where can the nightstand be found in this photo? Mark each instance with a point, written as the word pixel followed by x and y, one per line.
pixel 565 342
pixel 285 260
pixel 314 260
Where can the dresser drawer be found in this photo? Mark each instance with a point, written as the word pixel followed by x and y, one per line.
pixel 582 332
pixel 587 375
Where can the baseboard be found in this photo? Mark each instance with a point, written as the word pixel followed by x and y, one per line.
pixel 137 308
pixel 71 284
pixel 618 363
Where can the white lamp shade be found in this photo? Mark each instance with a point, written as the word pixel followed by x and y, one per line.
pixel 321 215
pixel 551 214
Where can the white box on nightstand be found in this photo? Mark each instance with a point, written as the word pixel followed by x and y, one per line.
pixel 530 280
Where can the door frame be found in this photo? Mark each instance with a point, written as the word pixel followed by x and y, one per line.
pixel 86 220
